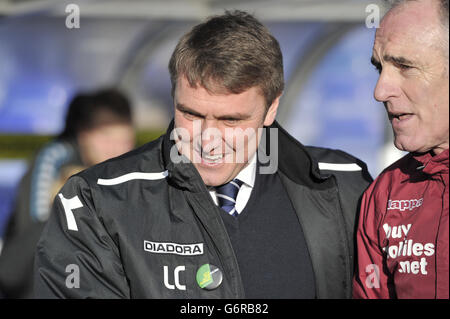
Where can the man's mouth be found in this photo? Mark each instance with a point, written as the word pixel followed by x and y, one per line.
pixel 213 159
pixel 399 116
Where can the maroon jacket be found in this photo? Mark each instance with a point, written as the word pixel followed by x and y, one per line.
pixel 402 236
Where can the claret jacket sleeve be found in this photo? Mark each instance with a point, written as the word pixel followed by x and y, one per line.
pixel 76 257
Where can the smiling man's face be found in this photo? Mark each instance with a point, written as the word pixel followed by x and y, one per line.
pixel 202 113
pixel 410 53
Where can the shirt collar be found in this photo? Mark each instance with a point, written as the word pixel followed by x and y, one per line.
pixel 248 173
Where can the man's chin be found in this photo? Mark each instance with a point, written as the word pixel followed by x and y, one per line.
pixel 410 147
pixel 212 177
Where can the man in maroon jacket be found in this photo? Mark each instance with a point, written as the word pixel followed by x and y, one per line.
pixel 402 236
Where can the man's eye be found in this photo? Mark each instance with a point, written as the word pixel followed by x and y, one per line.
pixel 403 66
pixel 231 121
pixel 189 115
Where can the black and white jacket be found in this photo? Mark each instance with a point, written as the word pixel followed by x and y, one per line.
pixel 141 225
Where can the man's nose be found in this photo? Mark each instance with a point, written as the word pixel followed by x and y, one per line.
pixel 387 87
pixel 211 136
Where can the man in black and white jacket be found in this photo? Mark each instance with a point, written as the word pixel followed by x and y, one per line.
pixel 226 204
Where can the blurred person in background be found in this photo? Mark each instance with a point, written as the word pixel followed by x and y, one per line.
pixel 403 233
pixel 98 126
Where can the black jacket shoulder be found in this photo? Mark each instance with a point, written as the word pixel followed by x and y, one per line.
pixel 146 158
pixel 333 156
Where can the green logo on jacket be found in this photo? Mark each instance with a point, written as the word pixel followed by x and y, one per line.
pixel 209 277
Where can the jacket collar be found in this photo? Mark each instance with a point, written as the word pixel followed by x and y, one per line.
pixel 293 160
pixel 180 170
pixel 433 164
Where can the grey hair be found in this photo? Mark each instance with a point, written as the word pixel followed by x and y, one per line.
pixel 443 12
pixel 443 9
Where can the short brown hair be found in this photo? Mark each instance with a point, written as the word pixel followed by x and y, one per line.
pixel 229 53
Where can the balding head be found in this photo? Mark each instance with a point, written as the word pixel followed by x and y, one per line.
pixel 425 10
pixel 442 6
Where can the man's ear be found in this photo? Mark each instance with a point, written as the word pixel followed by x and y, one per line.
pixel 272 112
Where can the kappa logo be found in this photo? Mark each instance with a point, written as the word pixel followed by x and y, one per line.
pixel 402 205
pixel 173 248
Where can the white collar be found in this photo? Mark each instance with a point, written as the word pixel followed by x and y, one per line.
pixel 248 173
pixel 247 176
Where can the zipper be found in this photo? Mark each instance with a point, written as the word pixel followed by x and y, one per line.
pixel 212 207
pixel 341 222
